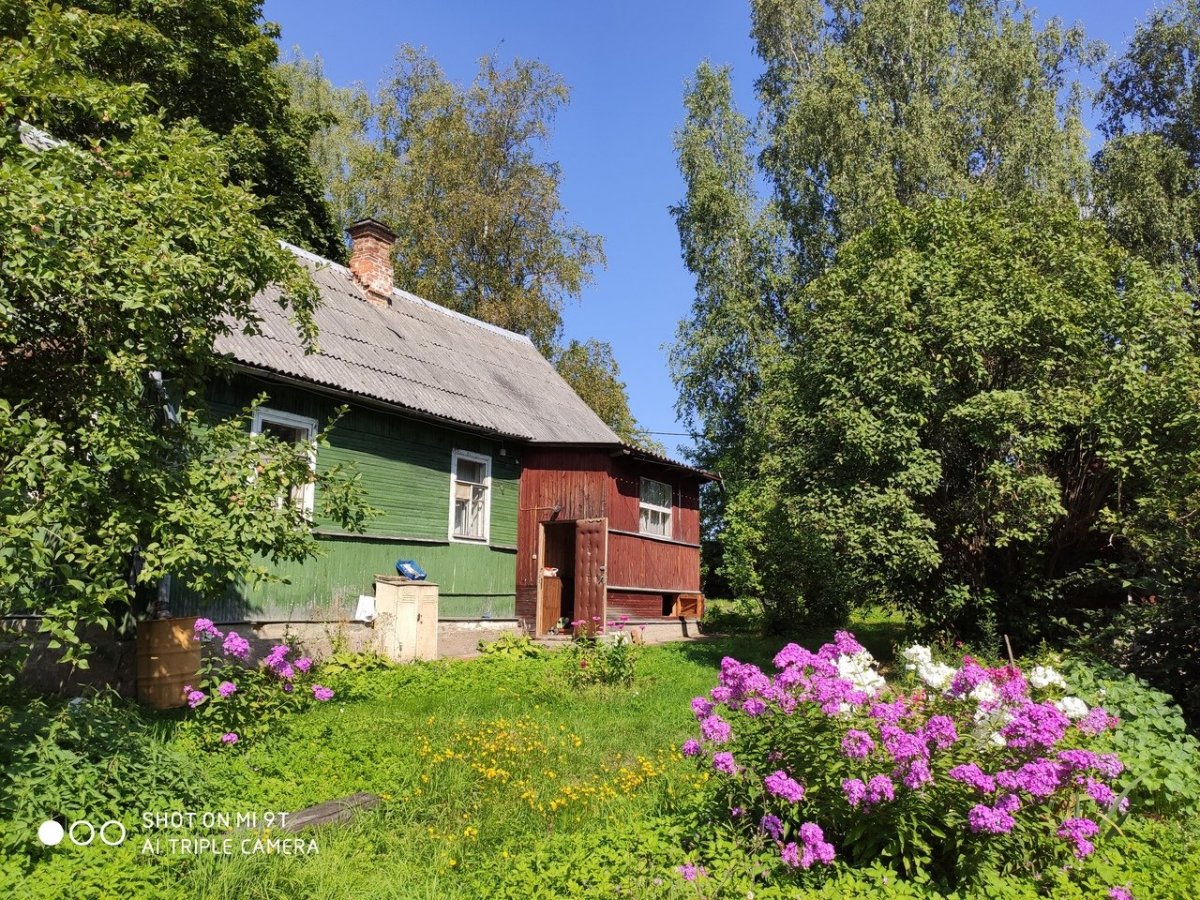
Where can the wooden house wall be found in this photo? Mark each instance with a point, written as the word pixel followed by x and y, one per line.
pixel 576 480
pixel 643 572
pixel 404 465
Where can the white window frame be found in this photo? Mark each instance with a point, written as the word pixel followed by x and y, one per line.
pixel 486 462
pixel 292 420
pixel 669 510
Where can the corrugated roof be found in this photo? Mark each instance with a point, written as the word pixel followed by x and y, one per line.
pixel 421 357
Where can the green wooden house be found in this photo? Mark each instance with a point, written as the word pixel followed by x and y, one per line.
pixel 442 408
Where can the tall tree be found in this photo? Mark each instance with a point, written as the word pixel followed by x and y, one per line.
pixel 212 61
pixel 1148 174
pixel 122 257
pixel 864 103
pixel 993 412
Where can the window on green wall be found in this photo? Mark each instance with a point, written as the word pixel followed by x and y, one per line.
pixel 470 496
pixel 291 429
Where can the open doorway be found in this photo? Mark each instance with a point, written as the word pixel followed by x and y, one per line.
pixel 558 589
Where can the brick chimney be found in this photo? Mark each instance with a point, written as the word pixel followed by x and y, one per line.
pixel 371 258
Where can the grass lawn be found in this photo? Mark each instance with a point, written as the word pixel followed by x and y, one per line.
pixel 477 761
pixel 498 778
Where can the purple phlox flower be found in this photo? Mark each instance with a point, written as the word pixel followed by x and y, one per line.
pixel 691 747
pixel 721 694
pixel 916 774
pixel 1011 683
pixel 1034 725
pixel 229 737
pixel 736 813
pixel 902 745
pixel 1101 793
pixel 1008 803
pixel 691 871
pixel 701 707
pixel 303 664
pixel 322 693
pixel 1096 721
pixel 966 679
pixel 891 713
pixel 753 707
pixel 771 825
pixel 1039 778
pixel 989 820
pixel 277 658
pixel 845 644
pixel 286 672
pixel 236 646
pixel 857 744
pixel 1120 893
pixel 791 855
pixel 816 848
pixel 941 731
pixel 854 790
pixel 1078 760
pixel 793 655
pixel 288 687
pixel 742 679
pixel 195 698
pixel 1079 830
pixel 1123 805
pixel 225 688
pixel 971 774
pixel 723 762
pixel 879 789
pixel 715 729
pixel 1109 765
pixel 206 627
pixel 783 785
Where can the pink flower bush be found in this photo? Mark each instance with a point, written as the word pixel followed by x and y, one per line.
pixel 237 701
pixel 966 757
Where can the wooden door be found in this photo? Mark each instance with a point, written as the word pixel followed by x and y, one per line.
pixel 591 572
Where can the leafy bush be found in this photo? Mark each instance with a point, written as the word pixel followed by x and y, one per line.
pixel 595 658
pixel 515 646
pixel 92 757
pixel 259 700
pixel 1162 758
pixel 960 771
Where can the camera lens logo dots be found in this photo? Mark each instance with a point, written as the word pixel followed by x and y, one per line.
pixel 82 833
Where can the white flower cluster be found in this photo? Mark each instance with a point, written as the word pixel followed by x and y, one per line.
pixel 1072 707
pixel 859 670
pixel 935 674
pixel 1042 677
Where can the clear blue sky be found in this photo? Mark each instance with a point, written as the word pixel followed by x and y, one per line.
pixel 626 64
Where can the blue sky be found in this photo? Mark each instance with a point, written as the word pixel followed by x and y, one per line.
pixel 626 64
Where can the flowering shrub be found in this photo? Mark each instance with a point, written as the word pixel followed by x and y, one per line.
pixel 941 774
pixel 596 658
pixel 234 701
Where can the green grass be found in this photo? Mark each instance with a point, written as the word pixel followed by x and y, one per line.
pixel 442 825
pixel 486 768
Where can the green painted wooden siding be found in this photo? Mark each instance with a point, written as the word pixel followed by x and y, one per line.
pixel 405 469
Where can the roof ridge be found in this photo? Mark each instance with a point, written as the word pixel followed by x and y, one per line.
pixel 413 298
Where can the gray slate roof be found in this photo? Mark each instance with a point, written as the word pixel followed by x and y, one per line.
pixel 421 357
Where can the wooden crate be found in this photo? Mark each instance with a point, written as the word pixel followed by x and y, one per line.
pixel 688 606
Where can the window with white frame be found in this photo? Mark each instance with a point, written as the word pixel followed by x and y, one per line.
pixel 470 496
pixel 291 429
pixel 655 508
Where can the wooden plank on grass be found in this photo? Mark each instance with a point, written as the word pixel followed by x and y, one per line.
pixel 331 812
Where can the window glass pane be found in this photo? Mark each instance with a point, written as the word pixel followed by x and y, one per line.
pixel 469 470
pixel 288 433
pixel 656 493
